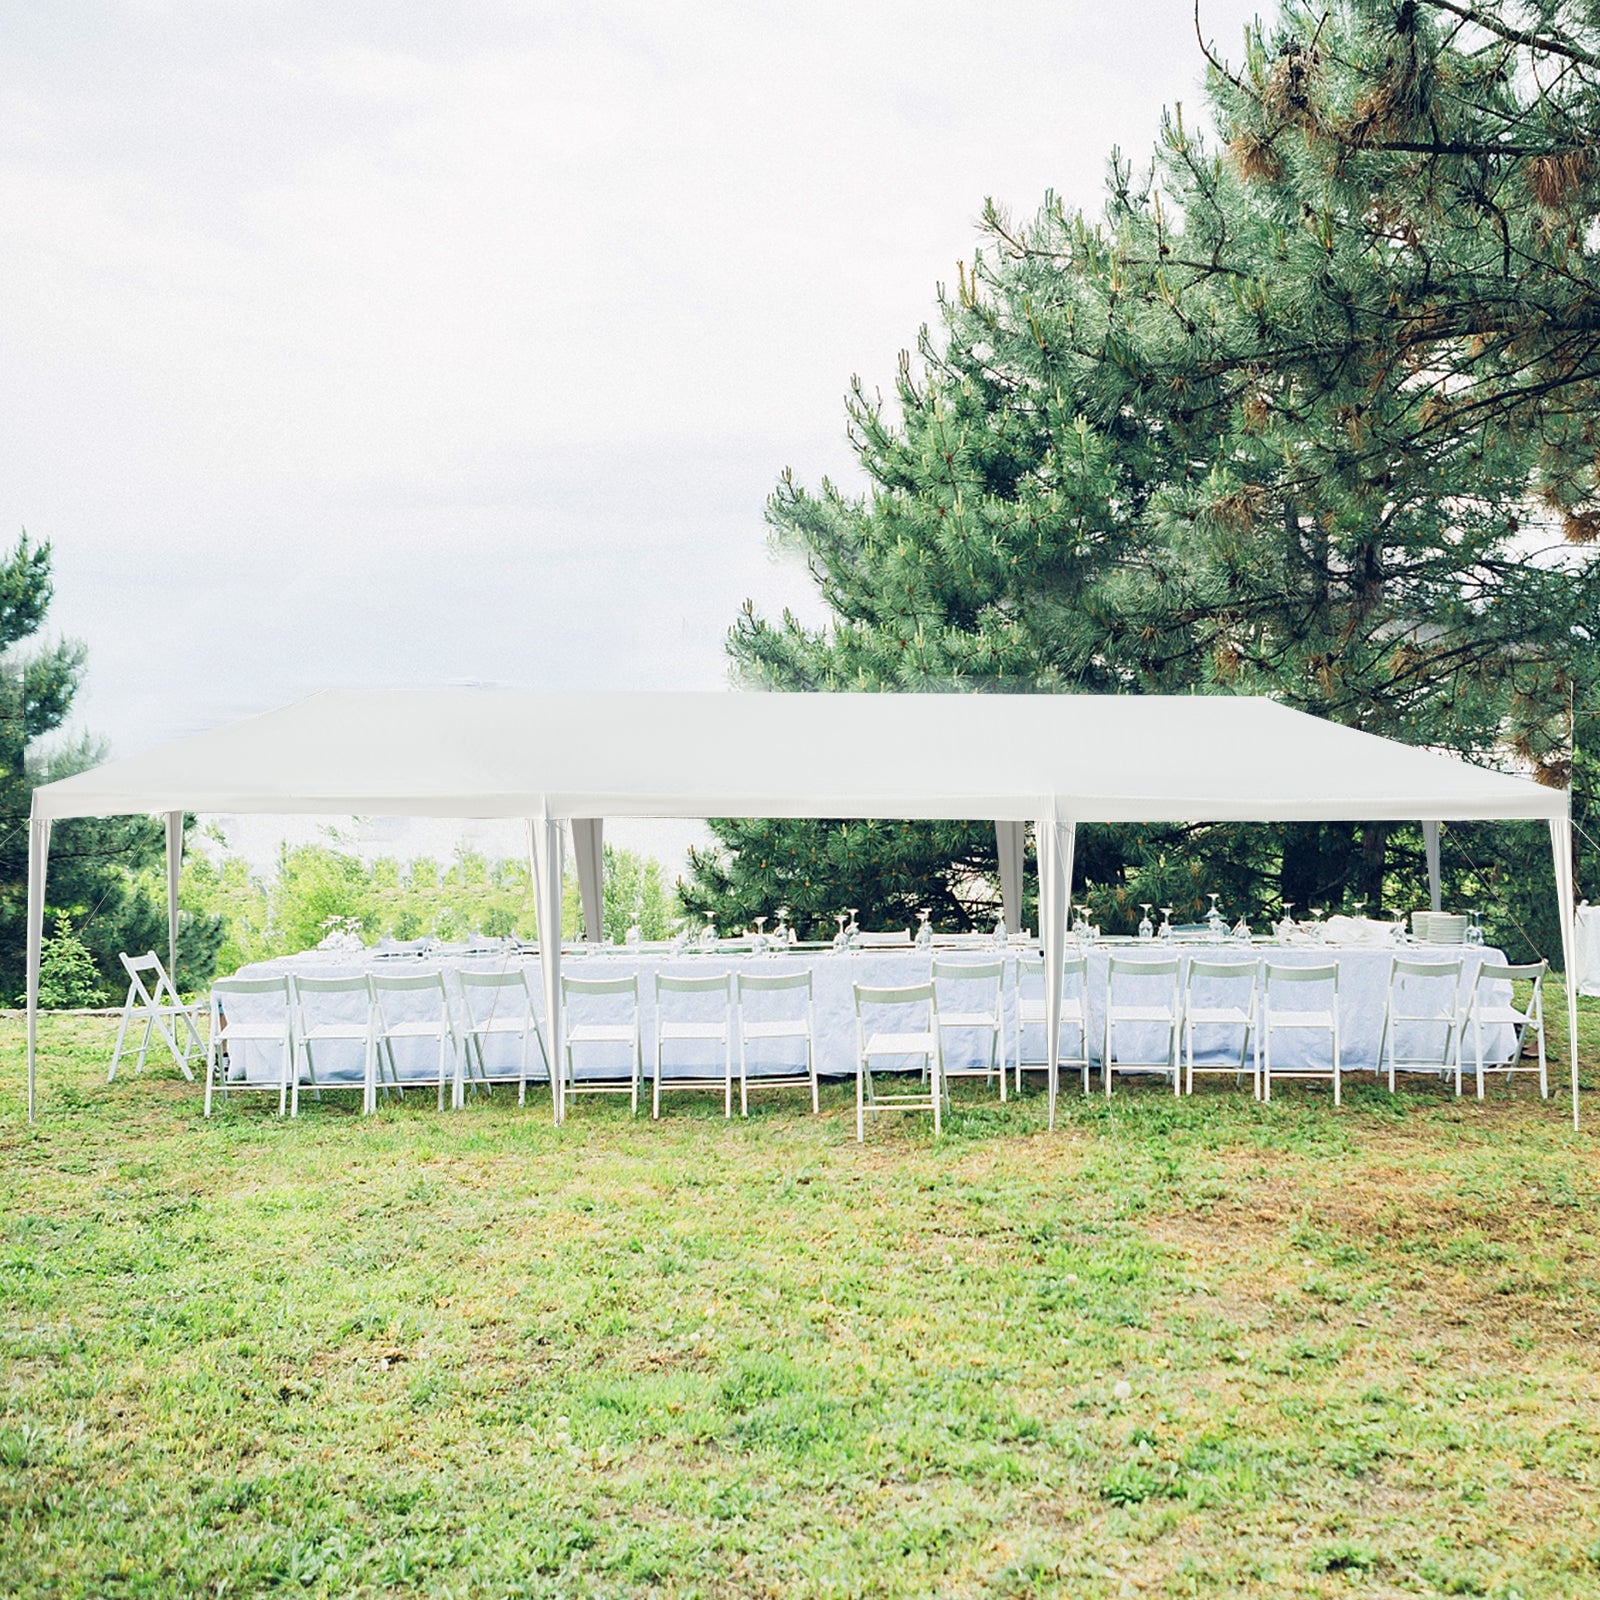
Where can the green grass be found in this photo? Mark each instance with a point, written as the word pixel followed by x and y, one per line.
pixel 469 1355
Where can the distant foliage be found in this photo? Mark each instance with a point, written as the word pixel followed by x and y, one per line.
pixel 317 888
pixel 67 973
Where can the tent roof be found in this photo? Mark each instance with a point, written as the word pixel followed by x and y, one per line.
pixel 511 753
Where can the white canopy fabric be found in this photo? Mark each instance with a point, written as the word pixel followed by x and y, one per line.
pixel 509 753
pixel 577 758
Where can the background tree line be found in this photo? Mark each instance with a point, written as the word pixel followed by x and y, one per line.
pixel 1308 410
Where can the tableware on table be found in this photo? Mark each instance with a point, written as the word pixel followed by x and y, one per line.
pixel 1215 923
pixel 1147 929
pixel 634 937
pixel 1319 934
pixel 853 932
pixel 1397 926
pixel 1285 927
pixel 1165 933
pixel 1474 933
pixel 924 939
pixel 1241 931
pixel 1000 936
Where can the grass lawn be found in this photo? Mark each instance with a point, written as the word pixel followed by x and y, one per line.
pixel 1175 1348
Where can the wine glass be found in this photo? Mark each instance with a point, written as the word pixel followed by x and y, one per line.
pixel 759 942
pixel 1147 929
pixel 1166 934
pixel 1214 922
pixel 853 932
pixel 925 928
pixel 1397 926
pixel 839 940
pixel 1474 933
pixel 1318 932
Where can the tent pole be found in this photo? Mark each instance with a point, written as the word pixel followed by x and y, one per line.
pixel 588 850
pixel 1056 843
pixel 546 857
pixel 38 863
pixel 1010 846
pixel 1430 843
pixel 1561 851
pixel 174 872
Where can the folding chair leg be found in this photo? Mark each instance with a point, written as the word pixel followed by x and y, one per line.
pixel 861 1110
pixel 122 1034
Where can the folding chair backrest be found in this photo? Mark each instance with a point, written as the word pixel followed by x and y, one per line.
pixel 406 983
pixel 508 993
pixel 334 989
pixel 898 940
pixel 673 984
pixel 1503 972
pixel 623 985
pixel 1139 976
pixel 1295 976
pixel 261 996
pixel 766 982
pixel 908 995
pixel 974 970
pixel 1224 972
pixel 148 967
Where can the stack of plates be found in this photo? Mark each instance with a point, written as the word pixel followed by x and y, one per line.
pixel 1439 927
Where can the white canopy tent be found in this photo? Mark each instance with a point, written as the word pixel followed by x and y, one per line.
pixel 571 760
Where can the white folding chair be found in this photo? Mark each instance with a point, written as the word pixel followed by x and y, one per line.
pixel 267 1019
pixel 922 1042
pixel 972 998
pixel 330 1013
pixel 694 1029
pixel 766 1027
pixel 497 1005
pixel 414 1006
pixel 899 939
pixel 1492 1003
pixel 624 1030
pixel 1229 996
pixel 1154 1001
pixel 158 1004
pixel 1424 999
pixel 1282 979
pixel 1074 1014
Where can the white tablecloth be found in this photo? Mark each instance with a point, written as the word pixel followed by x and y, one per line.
pixel 1363 987
pixel 1588 953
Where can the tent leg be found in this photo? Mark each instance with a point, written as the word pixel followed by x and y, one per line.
pixel 547 857
pixel 589 851
pixel 1430 842
pixel 38 863
pixel 174 870
pixel 1561 852
pixel 1056 843
pixel 1010 846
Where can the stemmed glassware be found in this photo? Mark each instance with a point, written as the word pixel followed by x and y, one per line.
pixel 1286 921
pixel 1147 929
pixel 1241 930
pixel 840 941
pixel 1165 933
pixel 925 928
pixel 759 942
pixel 1318 932
pixel 853 932
pixel 708 936
pixel 1214 923
pixel 1397 926
pixel 1474 933
pixel 782 933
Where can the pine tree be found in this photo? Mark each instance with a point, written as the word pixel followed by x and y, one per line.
pixel 1308 411
pixel 105 873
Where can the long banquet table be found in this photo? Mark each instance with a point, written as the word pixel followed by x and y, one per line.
pixel 1363 986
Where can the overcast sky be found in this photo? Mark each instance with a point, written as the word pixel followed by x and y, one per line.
pixel 396 343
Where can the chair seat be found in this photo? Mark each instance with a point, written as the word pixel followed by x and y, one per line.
pixel 330 1031
pixel 601 1033
pixel 968 1019
pixel 1143 1014
pixel 1507 1016
pixel 1299 1019
pixel 1446 1017
pixel 276 1032
pixel 502 1025
pixel 415 1030
pixel 776 1030
pixel 1029 1011
pixel 900 1044
pixel 1230 1016
pixel 693 1030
